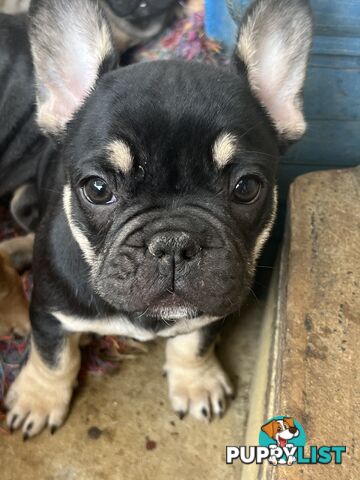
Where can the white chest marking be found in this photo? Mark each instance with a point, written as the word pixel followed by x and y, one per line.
pixel 121 325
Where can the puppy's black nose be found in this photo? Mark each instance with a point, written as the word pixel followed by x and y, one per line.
pixel 293 430
pixel 175 246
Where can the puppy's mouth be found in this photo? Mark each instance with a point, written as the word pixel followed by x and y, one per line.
pixel 172 306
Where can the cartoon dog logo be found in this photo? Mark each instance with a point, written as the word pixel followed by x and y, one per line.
pixel 281 431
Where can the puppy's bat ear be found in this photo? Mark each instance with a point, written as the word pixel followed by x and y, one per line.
pixel 273 44
pixel 70 42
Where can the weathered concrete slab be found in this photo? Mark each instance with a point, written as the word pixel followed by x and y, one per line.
pixel 311 368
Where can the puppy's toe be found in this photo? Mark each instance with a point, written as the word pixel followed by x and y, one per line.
pixel 200 390
pixel 15 418
pixel 200 405
pixel 34 423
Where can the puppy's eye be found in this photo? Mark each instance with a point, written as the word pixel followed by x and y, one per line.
pixel 247 189
pixel 98 192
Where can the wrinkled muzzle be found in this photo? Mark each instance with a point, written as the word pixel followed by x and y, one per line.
pixel 182 263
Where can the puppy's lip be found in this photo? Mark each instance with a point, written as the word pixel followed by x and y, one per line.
pixel 171 305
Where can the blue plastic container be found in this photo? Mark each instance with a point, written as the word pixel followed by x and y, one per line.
pixel 332 89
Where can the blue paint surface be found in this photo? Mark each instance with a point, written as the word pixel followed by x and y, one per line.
pixel 332 89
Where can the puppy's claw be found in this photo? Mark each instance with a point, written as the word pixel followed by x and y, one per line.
pixel 181 415
pixel 220 409
pixel 29 427
pixel 12 423
pixel 53 429
pixel 15 422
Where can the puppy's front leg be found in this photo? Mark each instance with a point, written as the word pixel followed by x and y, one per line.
pixel 197 381
pixel 42 392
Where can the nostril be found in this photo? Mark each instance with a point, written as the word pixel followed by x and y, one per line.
pixel 179 246
pixel 190 251
pixel 156 251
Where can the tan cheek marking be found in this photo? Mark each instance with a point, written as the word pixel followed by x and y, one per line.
pixel 78 235
pixel 264 235
pixel 224 148
pixel 120 155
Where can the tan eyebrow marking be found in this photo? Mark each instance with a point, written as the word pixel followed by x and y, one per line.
pixel 120 155
pixel 224 149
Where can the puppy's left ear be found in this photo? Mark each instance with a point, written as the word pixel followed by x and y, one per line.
pixel 274 43
pixel 70 42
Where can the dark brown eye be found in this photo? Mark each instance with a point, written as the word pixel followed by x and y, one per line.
pixel 247 189
pixel 98 192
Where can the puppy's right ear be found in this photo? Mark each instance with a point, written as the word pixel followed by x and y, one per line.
pixel 70 43
pixel 273 44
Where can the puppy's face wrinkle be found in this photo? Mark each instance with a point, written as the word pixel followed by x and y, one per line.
pixel 170 134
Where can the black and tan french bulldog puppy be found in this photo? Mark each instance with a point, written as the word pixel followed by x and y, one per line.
pixel 136 21
pixel 157 192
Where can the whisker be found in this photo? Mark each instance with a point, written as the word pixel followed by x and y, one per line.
pixel 261 153
pixel 143 313
pixel 253 293
pixel 166 323
pixel 251 128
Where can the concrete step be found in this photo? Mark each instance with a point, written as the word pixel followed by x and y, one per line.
pixel 309 363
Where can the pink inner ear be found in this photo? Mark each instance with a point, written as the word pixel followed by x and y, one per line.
pixel 278 83
pixel 274 43
pixel 67 58
pixel 74 76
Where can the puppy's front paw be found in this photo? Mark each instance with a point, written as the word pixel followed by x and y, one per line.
pixel 200 389
pixel 41 394
pixel 33 404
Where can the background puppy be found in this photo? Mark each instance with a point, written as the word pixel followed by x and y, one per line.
pixel 131 21
pixel 157 190
pixel 15 255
